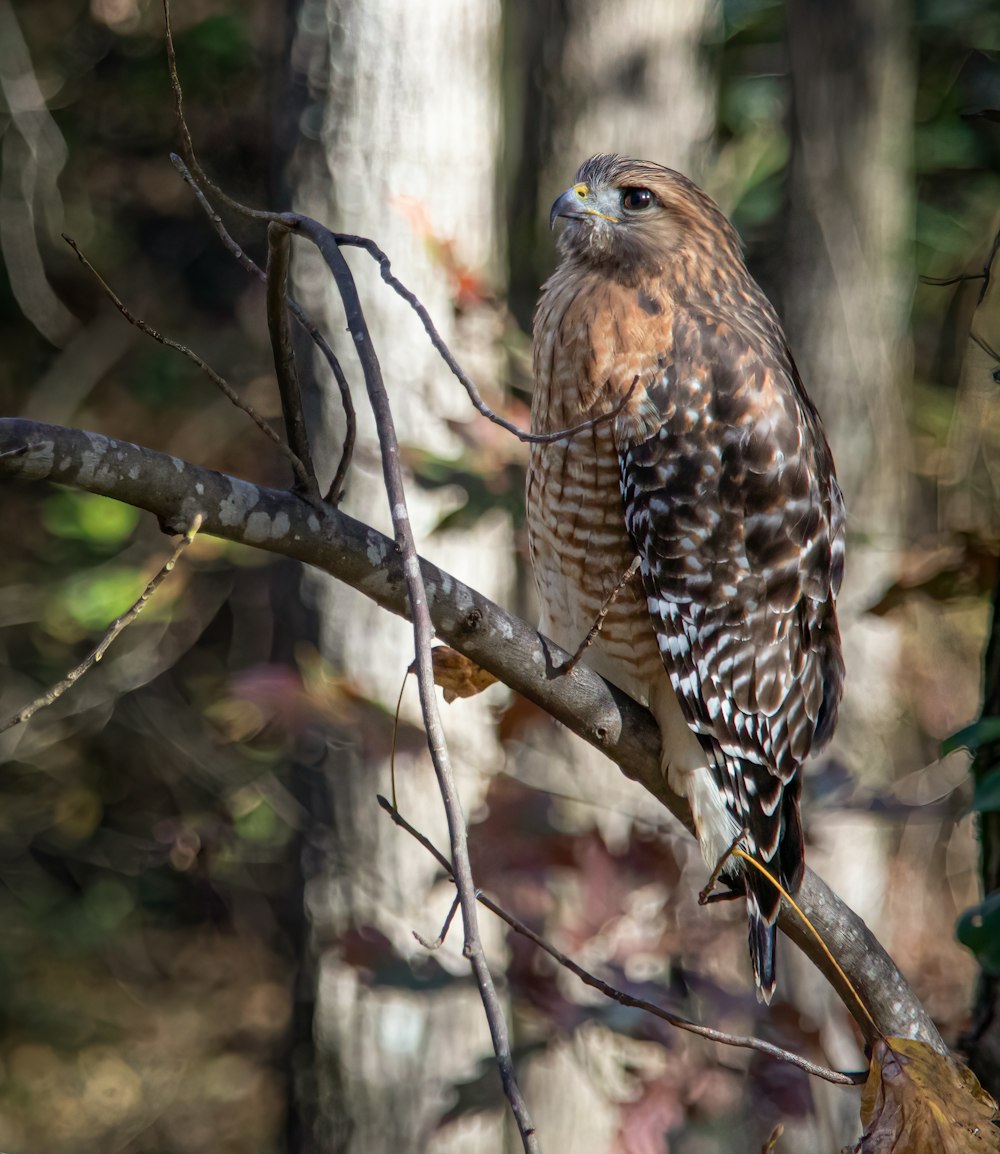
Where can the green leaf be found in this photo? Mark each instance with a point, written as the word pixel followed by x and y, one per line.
pixel 93 600
pixel 978 929
pixel 87 517
pixel 980 732
pixel 262 825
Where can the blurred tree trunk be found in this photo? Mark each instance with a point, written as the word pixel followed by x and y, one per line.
pixel 399 138
pixel 582 77
pixel 846 288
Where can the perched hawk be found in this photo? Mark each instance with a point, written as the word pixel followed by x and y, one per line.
pixel 717 475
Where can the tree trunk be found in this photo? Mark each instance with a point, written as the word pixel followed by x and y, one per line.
pixel 845 297
pixel 585 77
pixel 400 136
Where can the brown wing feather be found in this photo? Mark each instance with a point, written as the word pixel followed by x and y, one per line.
pixel 735 512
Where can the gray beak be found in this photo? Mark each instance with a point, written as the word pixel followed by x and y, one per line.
pixel 568 204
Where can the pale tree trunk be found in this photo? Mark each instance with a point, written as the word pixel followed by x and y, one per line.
pixel 847 280
pixel 587 77
pixel 404 122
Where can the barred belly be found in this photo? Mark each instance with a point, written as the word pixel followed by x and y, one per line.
pixel 580 550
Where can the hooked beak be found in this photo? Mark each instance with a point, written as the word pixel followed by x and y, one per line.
pixel 575 204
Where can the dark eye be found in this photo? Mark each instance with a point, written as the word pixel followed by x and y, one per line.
pixel 637 199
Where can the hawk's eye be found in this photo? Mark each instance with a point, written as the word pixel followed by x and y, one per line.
pixel 637 199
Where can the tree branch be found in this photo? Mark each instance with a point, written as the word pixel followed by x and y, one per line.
pixel 741 1041
pixel 518 655
pixel 278 249
pixel 423 633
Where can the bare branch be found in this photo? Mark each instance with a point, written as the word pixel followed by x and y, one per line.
pixel 284 356
pixel 336 489
pixel 467 383
pixel 595 629
pixel 944 281
pixel 984 276
pixel 116 627
pixel 439 940
pixel 423 635
pixel 741 1041
pixel 191 165
pixel 219 381
pixel 281 522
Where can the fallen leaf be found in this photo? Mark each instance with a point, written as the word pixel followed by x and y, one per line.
pixel 457 675
pixel 772 1142
pixel 917 1101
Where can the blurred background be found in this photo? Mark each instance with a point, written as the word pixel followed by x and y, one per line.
pixel 208 923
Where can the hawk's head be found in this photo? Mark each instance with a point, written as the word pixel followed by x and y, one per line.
pixel 625 215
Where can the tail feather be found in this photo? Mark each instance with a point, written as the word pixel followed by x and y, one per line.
pixel 763 938
pixel 764 901
pixel 791 858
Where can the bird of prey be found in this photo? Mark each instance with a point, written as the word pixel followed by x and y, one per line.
pixel 712 469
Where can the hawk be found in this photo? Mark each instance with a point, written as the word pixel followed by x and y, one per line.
pixel 712 468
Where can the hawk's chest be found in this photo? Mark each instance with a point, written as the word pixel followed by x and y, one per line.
pixel 580 548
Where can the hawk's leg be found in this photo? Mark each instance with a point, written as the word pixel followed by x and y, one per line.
pixel 585 644
pixel 706 897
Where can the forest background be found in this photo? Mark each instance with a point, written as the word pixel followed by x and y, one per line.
pixel 207 917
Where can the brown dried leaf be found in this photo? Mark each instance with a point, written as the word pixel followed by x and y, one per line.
pixel 917 1101
pixel 457 675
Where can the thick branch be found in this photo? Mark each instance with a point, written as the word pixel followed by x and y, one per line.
pixel 358 555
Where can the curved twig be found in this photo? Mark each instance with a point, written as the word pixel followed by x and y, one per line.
pixel 51 695
pixel 217 379
pixel 192 164
pixel 335 492
pixel 741 1041
pixel 467 383
pixel 278 247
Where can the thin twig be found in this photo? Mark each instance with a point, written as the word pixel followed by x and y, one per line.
pixel 741 1041
pixel 411 298
pixel 385 269
pixel 984 345
pixel 423 633
pixel 278 246
pixel 944 281
pixel 116 627
pixel 417 597
pixel 984 276
pixel 439 940
pixel 705 896
pixel 336 489
pixel 191 159
pixel 219 381
pixel 586 643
